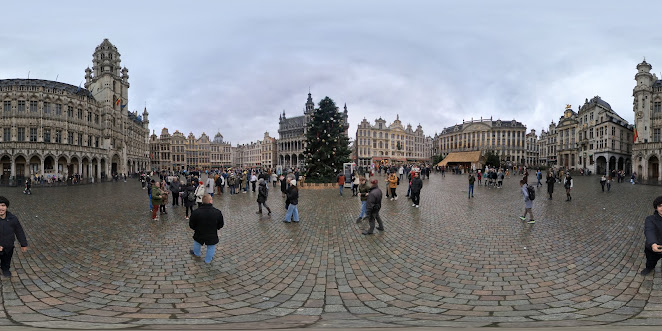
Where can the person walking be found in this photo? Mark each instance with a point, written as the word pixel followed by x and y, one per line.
pixel 156 198
pixel 149 192
pixel 567 183
pixel 293 199
pixel 609 179
pixel 188 198
pixel 28 185
pixel 373 205
pixel 341 182
pixel 175 188
pixel 528 203
pixel 364 189
pixel 262 194
pixel 472 180
pixel 550 184
pixel 355 184
pixel 10 230
pixel 416 186
pixel 393 185
pixel 603 181
pixel 653 234
pixel 205 222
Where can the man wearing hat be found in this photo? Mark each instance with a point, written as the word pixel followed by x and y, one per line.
pixel 373 205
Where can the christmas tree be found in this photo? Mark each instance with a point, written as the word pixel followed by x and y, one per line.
pixel 327 145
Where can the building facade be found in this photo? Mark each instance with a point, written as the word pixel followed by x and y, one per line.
pixel 385 144
pixel 507 138
pixel 647 107
pixel 604 139
pixel 532 158
pixel 292 135
pixel 56 129
pixel 221 153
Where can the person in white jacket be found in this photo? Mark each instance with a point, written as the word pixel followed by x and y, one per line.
pixel 210 186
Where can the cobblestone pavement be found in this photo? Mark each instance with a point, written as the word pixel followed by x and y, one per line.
pixel 98 260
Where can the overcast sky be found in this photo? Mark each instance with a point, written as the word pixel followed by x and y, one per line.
pixel 234 66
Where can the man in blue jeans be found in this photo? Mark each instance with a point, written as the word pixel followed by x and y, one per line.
pixel 205 221
pixel 472 180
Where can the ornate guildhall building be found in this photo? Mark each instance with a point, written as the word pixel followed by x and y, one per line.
pixel 57 129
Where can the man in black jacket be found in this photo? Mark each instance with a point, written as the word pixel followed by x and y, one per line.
pixel 10 228
pixel 416 186
pixel 205 221
pixel 373 205
pixel 653 233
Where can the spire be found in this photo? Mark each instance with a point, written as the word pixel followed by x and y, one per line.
pixel 310 105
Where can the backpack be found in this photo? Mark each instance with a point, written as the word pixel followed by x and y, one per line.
pixel 191 196
pixel 532 192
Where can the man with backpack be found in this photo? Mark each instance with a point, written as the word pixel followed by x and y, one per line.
pixel 529 194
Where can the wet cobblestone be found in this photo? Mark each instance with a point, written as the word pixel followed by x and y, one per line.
pixel 97 258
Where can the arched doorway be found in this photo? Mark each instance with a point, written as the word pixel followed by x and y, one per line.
pixel 6 169
pixel 115 163
pixel 61 168
pixel 612 163
pixel 620 164
pixel 288 162
pixel 21 169
pixel 35 166
pixel 49 166
pixel 295 163
pixel 653 168
pixel 601 165
pixel 103 169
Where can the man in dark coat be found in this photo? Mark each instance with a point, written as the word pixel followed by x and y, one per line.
pixel 205 221
pixel 416 186
pixel 373 205
pixel 10 229
pixel 653 233
pixel 262 194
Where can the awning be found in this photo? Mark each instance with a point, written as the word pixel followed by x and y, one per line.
pixel 461 157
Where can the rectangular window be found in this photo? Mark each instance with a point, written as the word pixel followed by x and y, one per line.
pixel 7 106
pixel 70 138
pixel 34 107
pixel 656 135
pixel 70 111
pixel 96 142
pixel 80 139
pixel 89 140
pixel 89 116
pixel 47 108
pixel 96 118
pixel 47 135
pixel 58 136
pixel 58 109
pixel 6 134
pixel 21 105
pixel 80 114
pixel 21 134
pixel 33 135
pixel 657 106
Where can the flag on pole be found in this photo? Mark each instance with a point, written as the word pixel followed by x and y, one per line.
pixel 117 103
pixel 78 90
pixel 635 133
pixel 122 106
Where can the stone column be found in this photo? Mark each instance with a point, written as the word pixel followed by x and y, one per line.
pixel 43 172
pixel 98 176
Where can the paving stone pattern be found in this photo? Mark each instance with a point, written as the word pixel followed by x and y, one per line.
pixel 97 259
